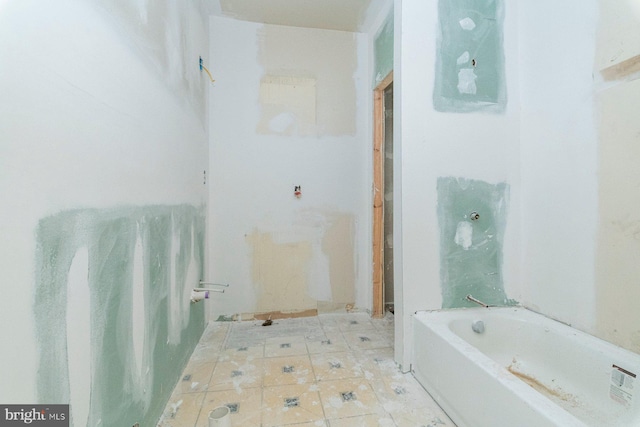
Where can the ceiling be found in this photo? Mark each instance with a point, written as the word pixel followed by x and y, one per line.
pixel 342 15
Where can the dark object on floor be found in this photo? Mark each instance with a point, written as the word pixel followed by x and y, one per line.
pixel 267 322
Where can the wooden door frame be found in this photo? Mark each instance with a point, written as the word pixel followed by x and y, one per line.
pixel 378 195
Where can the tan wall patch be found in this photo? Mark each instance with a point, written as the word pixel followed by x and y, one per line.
pixel 304 55
pixel 338 245
pixel 288 105
pixel 280 272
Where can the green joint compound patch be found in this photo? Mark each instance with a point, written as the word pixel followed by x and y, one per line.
pixel 472 218
pixel 470 68
pixel 139 264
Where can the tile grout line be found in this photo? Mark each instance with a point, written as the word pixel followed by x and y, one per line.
pixel 315 383
pixel 215 363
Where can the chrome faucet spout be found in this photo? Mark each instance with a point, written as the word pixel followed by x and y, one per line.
pixel 477 301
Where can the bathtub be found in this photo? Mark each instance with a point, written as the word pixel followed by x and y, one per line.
pixel 523 370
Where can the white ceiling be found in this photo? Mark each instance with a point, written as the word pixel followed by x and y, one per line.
pixel 342 15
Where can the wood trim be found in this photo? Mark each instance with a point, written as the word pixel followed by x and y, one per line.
pixel 621 70
pixel 378 196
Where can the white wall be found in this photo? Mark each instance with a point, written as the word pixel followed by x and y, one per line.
pixel 559 159
pixel 278 252
pixel 617 105
pixel 92 115
pixel 432 144
pixel 570 155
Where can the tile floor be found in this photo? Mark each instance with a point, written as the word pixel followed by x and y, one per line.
pixel 333 370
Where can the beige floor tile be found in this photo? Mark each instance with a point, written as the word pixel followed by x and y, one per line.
pixel 319 423
pixel 245 405
pixel 421 417
pixel 344 362
pixel 206 353
pixel 377 363
pixel 254 352
pixel 360 323
pixel 348 398
pixel 285 339
pixel 365 340
pixel 285 349
pixel 334 366
pixel 216 331
pixel 408 403
pixel 331 329
pixel 236 374
pixel 291 404
pixel 364 421
pixel 333 342
pixel 183 410
pixel 288 370
pixel 384 324
pixel 195 377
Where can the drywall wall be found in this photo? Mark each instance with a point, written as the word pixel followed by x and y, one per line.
pixel 167 36
pixel 432 144
pixel 103 151
pixel 617 38
pixel 308 86
pixel 287 110
pixel 617 269
pixel 559 160
pixel 116 279
pixel 568 157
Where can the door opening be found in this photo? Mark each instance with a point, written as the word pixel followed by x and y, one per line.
pixel 383 198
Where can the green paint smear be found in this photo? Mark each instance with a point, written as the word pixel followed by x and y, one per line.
pixel 117 399
pixel 484 44
pixel 474 265
pixel 383 50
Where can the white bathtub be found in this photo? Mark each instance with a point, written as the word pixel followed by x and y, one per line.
pixel 524 370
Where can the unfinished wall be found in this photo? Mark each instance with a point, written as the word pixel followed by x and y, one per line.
pixel 287 111
pixel 308 86
pixel 559 160
pixel 113 316
pixel 468 145
pixel 617 268
pixel 569 158
pixel 103 151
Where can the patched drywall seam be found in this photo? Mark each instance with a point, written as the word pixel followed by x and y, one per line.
pixel 470 65
pixel 123 256
pixel 383 50
pixel 470 246
pixel 308 76
pixel 171 35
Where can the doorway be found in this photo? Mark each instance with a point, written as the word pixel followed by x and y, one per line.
pixel 383 198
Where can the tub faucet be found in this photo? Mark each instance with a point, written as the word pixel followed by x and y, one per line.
pixel 477 301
